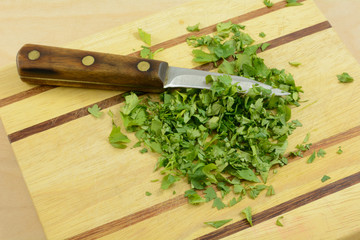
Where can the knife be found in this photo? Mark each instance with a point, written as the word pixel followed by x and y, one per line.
pixel 46 65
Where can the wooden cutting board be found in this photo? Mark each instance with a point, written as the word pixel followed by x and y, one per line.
pixel 83 188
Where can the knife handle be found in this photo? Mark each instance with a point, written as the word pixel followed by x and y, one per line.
pixel 45 65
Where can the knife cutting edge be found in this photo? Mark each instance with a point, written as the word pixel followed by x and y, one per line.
pixel 45 65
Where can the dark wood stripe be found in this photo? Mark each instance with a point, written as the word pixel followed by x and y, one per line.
pixel 65 118
pixel 131 219
pixel 284 207
pixel 173 203
pixel 16 136
pixel 166 44
pixel 23 95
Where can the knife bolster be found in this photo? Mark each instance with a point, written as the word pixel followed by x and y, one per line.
pixel 44 65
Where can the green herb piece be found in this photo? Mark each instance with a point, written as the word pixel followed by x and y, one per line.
pixel 345 78
pixel 154 180
pixel 147 53
pixel 307 137
pixel 291 3
pixel 210 194
pixel 255 190
pixel 238 189
pixel 295 64
pixel 174 192
pixel 270 191
pixel 264 46
pixel 311 158
pixel 203 57
pixel 247 213
pixel 324 178
pixel 111 114
pixel 321 153
pixel 95 111
pixel 278 223
pixel 144 36
pixel 168 180
pixel 194 197
pixel 268 3
pixel 144 150
pixel 232 202
pixel 194 28
pixel 262 34
pixel 339 151
pixel 148 193
pixel 117 139
pixel 275 171
pixel 218 203
pixel 217 224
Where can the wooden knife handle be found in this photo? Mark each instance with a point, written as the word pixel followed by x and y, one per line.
pixel 45 65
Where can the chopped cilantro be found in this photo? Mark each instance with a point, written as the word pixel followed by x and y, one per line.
pixel 339 151
pixel 95 111
pixel 218 203
pixel 210 194
pixel 232 202
pixel 174 192
pixel 321 153
pixel 168 180
pixel 325 178
pixel 117 139
pixel 270 191
pixel 144 150
pixel 217 224
pixel 147 53
pixel 262 34
pixel 144 36
pixel 148 193
pixel 154 180
pixel 278 223
pixel 295 64
pixel 255 190
pixel 268 3
pixel 345 78
pixel 194 197
pixel 264 46
pixel 311 158
pixel 291 3
pixel 247 213
pixel 194 28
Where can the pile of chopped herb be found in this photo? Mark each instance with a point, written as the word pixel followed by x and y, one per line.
pixel 219 137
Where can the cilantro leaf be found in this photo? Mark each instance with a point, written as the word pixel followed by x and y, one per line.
pixel 270 191
pixel 264 46
pixel 339 151
pixel 325 178
pixel 148 193
pixel 95 111
pixel 295 64
pixel 247 213
pixel 232 202
pixel 217 224
pixel 203 57
pixel 194 28
pixel 292 3
pixel 321 153
pixel 194 197
pixel 144 36
pixel 131 101
pixel 144 150
pixel 278 223
pixel 311 158
pixel 268 3
pixel 117 139
pixel 345 78
pixel 262 34
pixel 147 53
pixel 168 180
pixel 255 190
pixel 218 203
pixel 247 174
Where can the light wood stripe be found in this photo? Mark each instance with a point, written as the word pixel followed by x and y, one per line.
pixel 167 44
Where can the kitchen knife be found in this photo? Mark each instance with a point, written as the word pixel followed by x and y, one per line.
pixel 45 65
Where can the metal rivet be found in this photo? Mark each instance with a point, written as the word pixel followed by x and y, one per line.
pixel 88 60
pixel 34 55
pixel 143 66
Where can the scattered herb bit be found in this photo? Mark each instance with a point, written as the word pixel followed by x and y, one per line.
pixel 218 203
pixel 345 78
pixel 210 194
pixel 194 28
pixel 262 34
pixel 147 53
pixel 194 197
pixel 148 193
pixel 278 223
pixel 291 3
pixel 325 178
pixel 302 147
pixel 111 114
pixel 295 64
pixel 247 213
pixel 255 190
pixel 275 171
pixel 144 36
pixel 311 158
pixel 168 180
pixel 270 191
pixel 232 202
pixel 117 139
pixel 154 180
pixel 339 151
pixel 144 150
pixel 321 153
pixel 268 3
pixel 264 46
pixel 307 137
pixel 174 192
pixel 217 224
pixel 95 111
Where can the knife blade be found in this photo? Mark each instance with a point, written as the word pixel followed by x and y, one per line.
pixel 47 65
